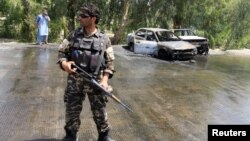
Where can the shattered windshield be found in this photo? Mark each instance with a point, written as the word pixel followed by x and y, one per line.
pixel 166 36
pixel 184 33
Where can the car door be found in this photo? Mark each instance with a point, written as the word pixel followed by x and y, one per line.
pixel 145 44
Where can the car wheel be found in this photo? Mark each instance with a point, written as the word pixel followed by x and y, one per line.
pixel 200 51
pixel 170 55
pixel 203 50
pixel 131 47
pixel 162 54
pixel 207 50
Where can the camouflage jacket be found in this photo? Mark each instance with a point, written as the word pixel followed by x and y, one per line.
pixel 86 50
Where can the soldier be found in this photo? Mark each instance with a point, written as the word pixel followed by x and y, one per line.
pixel 90 49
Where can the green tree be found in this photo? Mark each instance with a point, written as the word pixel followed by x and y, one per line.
pixel 225 22
pixel 239 28
pixel 27 25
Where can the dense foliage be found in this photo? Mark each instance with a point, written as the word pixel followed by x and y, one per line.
pixel 226 22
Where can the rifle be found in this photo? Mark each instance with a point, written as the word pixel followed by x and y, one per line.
pixel 93 81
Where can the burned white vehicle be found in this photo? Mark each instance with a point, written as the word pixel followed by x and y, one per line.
pixel 188 35
pixel 161 43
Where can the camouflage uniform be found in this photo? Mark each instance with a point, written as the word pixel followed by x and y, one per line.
pixel 86 51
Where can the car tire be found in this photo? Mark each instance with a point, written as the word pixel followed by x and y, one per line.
pixel 131 47
pixel 200 51
pixel 170 55
pixel 207 50
pixel 203 50
pixel 162 54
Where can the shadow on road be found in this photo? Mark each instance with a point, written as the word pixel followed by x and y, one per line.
pixel 44 140
pixel 126 47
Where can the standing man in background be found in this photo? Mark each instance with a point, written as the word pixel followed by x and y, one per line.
pixel 90 49
pixel 42 21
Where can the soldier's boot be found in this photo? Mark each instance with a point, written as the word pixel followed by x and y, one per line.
pixel 70 136
pixel 104 137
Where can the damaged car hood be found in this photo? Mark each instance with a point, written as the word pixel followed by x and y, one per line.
pixel 177 45
pixel 192 38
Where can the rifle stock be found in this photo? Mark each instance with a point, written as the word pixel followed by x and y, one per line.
pixel 95 83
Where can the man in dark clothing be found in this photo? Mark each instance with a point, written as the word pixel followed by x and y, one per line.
pixel 91 50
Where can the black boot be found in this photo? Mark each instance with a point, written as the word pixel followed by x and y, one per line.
pixel 104 137
pixel 70 136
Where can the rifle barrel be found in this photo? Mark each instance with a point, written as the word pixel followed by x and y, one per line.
pixel 93 80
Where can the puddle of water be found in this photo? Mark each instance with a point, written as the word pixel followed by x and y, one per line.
pixel 186 96
pixel 170 100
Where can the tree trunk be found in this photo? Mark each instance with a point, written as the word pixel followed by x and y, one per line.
pixel 178 17
pixel 177 21
pixel 123 23
pixel 27 25
pixel 71 14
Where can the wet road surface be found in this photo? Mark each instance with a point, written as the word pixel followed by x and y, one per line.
pixel 172 101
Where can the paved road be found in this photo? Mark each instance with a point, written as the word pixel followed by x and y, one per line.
pixel 172 101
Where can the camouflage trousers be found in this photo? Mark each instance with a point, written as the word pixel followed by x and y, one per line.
pixel 75 93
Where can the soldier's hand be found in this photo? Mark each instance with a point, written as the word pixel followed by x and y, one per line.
pixel 104 81
pixel 67 66
pixel 104 84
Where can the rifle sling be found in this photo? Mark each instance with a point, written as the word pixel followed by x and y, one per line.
pixel 99 61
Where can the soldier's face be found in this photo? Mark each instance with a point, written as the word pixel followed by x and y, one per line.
pixel 86 21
